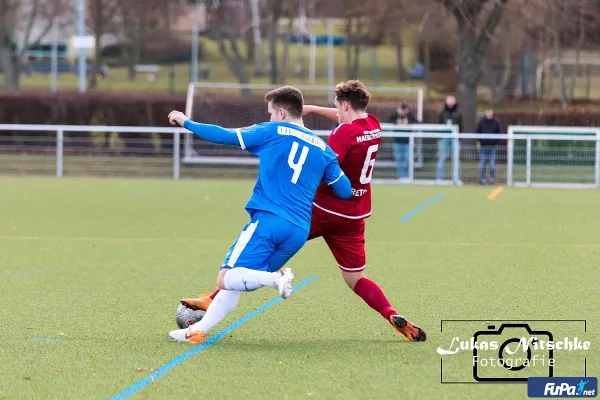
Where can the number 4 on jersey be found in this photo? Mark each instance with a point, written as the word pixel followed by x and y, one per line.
pixel 297 166
pixel 369 165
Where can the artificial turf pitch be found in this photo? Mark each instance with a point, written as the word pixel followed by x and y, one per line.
pixel 91 272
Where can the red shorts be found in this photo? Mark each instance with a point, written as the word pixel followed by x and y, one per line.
pixel 345 238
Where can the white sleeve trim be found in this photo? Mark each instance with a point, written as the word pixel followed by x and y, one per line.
pixel 240 139
pixel 337 127
pixel 338 178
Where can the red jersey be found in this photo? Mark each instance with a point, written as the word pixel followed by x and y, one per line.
pixel 356 146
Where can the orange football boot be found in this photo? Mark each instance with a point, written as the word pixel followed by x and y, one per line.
pixel 196 337
pixel 200 303
pixel 408 329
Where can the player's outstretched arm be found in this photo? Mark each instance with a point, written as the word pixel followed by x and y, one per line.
pixel 212 133
pixel 342 187
pixel 327 112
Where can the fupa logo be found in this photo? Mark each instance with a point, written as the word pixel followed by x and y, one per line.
pixel 562 387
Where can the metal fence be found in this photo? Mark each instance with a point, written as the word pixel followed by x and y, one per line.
pixel 420 154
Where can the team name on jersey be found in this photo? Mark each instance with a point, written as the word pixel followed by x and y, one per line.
pixel 369 135
pixel 359 192
pixel 315 141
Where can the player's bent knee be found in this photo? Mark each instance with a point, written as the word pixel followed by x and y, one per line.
pixel 351 277
pixel 221 279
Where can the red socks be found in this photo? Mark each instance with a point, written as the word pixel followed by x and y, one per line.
pixel 372 294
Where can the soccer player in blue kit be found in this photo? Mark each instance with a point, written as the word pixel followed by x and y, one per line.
pixel 293 163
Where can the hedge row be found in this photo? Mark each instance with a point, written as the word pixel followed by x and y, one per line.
pixel 70 108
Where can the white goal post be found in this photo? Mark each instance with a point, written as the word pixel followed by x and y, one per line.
pixel 195 152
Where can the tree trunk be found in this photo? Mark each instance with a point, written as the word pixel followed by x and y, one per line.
pixel 136 50
pixel 11 68
pixel 256 38
pixel 93 80
pixel 250 47
pixel 469 72
pixel 559 58
pixel 400 70
pixel 234 62
pixel 472 48
pixel 286 52
pixel 349 47
pixel 8 59
pixel 427 62
pixel 356 66
pixel 578 46
pixel 274 34
pixel 357 49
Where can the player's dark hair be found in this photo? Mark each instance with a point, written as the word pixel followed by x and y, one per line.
pixel 354 92
pixel 287 97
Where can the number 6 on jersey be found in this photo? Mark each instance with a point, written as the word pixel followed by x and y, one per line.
pixel 369 165
pixel 297 166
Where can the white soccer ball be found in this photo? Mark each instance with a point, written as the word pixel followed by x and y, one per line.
pixel 186 316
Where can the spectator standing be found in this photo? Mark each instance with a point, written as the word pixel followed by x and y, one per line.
pixel 488 124
pixel 402 116
pixel 450 115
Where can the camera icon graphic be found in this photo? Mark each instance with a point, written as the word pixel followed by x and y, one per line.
pixel 510 353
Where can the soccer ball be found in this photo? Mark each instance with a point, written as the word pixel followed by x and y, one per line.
pixel 186 316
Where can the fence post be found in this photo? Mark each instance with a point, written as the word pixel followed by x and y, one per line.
pixel 59 153
pixel 597 164
pixel 455 157
pixel 528 161
pixel 176 153
pixel 420 105
pixel 510 147
pixel 411 157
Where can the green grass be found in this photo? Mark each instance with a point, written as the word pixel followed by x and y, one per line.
pixel 102 264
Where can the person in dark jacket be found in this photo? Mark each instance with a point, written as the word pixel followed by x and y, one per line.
pixel 450 115
pixel 402 116
pixel 489 124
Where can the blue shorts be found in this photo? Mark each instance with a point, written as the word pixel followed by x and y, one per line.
pixel 266 243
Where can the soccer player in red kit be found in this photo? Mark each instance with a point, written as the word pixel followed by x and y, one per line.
pixel 341 223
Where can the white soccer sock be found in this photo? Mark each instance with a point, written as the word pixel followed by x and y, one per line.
pixel 246 280
pixel 223 303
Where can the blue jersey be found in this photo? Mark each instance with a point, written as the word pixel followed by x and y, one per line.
pixel 293 161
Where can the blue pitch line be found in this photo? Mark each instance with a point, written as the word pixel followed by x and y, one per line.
pixel 420 207
pixel 48 339
pixel 136 387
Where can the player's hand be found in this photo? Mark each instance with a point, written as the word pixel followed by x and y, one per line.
pixel 177 118
pixel 307 109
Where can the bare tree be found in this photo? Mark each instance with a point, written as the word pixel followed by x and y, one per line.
pixel 140 20
pixel 226 35
pixel 18 19
pixel 355 21
pixel 276 8
pixel 287 43
pixel 100 19
pixel 578 45
pixel 561 28
pixel 475 29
